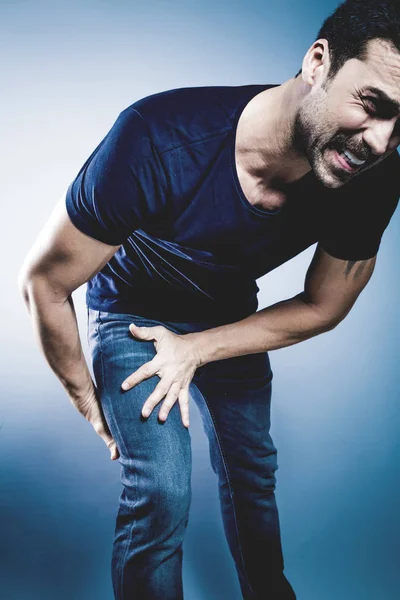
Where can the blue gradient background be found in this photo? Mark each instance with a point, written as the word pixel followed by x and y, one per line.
pixel 67 71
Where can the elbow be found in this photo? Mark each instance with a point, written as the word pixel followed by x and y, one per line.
pixel 325 320
pixel 23 283
pixel 28 289
pixel 333 321
pixel 339 317
pixel 332 324
pixel 38 289
pixel 25 278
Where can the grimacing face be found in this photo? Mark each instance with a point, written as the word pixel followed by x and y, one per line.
pixel 350 123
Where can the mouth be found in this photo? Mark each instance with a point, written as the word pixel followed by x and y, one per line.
pixel 349 161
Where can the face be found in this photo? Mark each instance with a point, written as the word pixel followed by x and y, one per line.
pixel 350 123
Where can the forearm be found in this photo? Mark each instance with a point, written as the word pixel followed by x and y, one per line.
pixel 282 324
pixel 56 329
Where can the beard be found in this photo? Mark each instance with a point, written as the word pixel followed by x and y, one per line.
pixel 315 134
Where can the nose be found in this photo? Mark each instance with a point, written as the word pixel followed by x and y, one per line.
pixel 380 136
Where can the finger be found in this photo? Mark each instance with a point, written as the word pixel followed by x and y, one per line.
pixel 102 431
pixel 144 372
pixel 184 405
pixel 145 333
pixel 112 446
pixel 156 396
pixel 169 401
pixel 96 417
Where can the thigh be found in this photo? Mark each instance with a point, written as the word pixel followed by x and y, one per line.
pixel 237 395
pixel 146 446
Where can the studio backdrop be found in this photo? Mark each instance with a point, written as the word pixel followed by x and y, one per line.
pixel 67 70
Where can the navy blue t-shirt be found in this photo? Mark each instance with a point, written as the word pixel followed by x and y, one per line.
pixel 163 184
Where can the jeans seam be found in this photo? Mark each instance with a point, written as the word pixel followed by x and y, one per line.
pixel 129 539
pixel 230 485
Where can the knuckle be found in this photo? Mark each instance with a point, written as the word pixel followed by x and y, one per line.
pixel 169 402
pixel 151 402
pixel 184 397
pixel 155 397
pixel 147 370
pixel 161 390
pixel 173 394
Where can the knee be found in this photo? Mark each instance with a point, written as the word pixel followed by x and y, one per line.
pixel 166 493
pixel 171 493
pixel 263 478
pixel 258 478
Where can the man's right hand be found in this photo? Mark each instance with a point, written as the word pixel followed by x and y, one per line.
pixel 94 414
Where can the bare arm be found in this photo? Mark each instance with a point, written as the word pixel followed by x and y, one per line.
pixel 62 259
pixel 331 288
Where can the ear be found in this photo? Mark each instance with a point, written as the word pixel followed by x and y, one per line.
pixel 316 63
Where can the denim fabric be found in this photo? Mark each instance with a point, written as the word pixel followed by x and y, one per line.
pixel 233 397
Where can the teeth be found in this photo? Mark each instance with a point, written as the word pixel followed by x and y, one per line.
pixel 353 158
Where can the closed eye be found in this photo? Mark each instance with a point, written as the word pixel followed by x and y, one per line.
pixel 375 107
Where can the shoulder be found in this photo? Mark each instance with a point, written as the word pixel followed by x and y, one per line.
pixel 181 116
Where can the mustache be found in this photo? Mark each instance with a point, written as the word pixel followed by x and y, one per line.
pixel 360 151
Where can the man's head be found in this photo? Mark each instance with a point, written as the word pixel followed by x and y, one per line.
pixel 349 114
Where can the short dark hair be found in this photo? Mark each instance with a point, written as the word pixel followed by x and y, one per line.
pixel 353 24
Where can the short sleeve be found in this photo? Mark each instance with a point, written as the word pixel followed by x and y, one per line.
pixel 109 198
pixel 355 216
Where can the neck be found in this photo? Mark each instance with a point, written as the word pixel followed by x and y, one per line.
pixel 266 146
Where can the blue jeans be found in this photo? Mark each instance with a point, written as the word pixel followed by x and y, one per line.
pixel 233 397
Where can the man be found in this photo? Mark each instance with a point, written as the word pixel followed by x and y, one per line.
pixel 192 195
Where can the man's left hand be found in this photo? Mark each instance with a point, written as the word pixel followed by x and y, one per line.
pixel 175 364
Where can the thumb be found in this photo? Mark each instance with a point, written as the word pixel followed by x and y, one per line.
pixel 144 333
pixel 112 446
